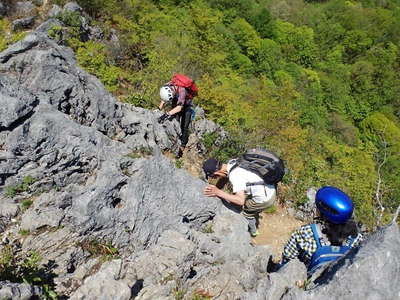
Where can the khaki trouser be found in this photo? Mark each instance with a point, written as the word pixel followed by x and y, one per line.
pixel 251 209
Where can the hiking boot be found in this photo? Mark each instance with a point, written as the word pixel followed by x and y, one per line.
pixel 254 234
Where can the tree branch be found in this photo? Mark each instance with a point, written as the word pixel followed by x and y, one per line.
pixel 396 214
pixel 378 191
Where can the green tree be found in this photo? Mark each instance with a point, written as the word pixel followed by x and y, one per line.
pixel 246 37
pixel 356 42
pixel 269 58
pixel 297 43
pixel 262 22
pixel 385 134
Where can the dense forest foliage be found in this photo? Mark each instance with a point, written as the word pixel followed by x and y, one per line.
pixel 316 81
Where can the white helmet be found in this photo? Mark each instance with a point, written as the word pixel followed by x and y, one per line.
pixel 166 93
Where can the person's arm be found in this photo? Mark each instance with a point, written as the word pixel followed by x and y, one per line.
pixel 181 101
pixel 182 94
pixel 162 103
pixel 175 110
pixel 290 250
pixel 238 198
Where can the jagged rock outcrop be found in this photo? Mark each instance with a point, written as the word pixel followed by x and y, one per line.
pixel 82 148
pixel 85 178
pixel 104 284
pixel 3 9
pixel 54 11
pixel 22 8
pixel 19 291
pixel 23 23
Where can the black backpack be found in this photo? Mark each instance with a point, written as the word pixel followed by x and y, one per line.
pixel 264 163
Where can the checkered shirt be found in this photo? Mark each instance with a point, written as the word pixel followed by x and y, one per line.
pixel 302 244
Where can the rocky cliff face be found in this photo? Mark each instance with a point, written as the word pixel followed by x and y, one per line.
pixel 84 182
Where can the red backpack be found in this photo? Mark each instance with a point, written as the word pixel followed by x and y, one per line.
pixel 187 83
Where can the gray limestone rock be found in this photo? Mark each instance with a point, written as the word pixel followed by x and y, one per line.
pixel 225 228
pixel 64 146
pixel 8 208
pixel 54 11
pixel 96 33
pixel 201 127
pixel 199 113
pixel 104 284
pixel 19 291
pixel 49 24
pixel 23 8
pixel 79 271
pixel 17 103
pixel 58 80
pixel 59 246
pixel 23 45
pixel 42 213
pixel 3 9
pixel 306 211
pixel 287 277
pixel 171 259
pixel 72 7
pixel 148 206
pixel 278 284
pixel 23 23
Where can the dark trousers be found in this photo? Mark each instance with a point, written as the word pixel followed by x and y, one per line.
pixel 185 118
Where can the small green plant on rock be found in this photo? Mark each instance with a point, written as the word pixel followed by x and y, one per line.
pixel 208 228
pixel 179 163
pixel 179 291
pixel 100 248
pixel 270 210
pixel 167 278
pixel 24 232
pixel 6 262
pixel 201 295
pixel 179 294
pixel 209 139
pixel 56 32
pixel 140 152
pixel 70 18
pixel 18 267
pixel 6 36
pixel 26 204
pixel 13 190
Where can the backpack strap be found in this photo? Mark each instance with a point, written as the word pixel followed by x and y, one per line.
pixel 255 183
pixel 350 241
pixel 235 165
pixel 316 234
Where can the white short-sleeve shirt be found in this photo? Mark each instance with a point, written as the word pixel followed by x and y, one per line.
pixel 239 177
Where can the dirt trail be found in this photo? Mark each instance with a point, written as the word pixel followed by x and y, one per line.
pixel 275 230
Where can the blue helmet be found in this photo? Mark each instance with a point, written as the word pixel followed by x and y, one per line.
pixel 334 205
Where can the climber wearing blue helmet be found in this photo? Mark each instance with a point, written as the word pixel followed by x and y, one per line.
pixel 334 205
pixel 332 234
